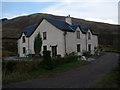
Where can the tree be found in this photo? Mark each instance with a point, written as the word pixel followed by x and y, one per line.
pixel 37 44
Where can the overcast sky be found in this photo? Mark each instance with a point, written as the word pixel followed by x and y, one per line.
pixel 93 10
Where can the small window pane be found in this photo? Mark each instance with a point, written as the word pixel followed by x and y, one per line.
pixel 89 47
pixel 24 50
pixel 23 39
pixel 78 34
pixel 78 47
pixel 89 35
pixel 44 36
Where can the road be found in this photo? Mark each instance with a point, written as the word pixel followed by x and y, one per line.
pixel 81 77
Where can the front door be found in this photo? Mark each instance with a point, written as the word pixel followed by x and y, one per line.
pixel 54 51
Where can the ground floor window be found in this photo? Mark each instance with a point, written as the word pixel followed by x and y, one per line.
pixel 89 47
pixel 44 48
pixel 78 48
pixel 24 50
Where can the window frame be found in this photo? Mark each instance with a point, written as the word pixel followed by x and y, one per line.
pixel 78 47
pixel 78 34
pixel 24 50
pixel 23 39
pixel 44 35
pixel 89 35
pixel 89 47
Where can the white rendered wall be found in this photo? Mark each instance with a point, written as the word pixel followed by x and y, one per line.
pixel 54 37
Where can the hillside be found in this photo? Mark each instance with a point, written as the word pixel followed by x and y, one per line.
pixel 107 33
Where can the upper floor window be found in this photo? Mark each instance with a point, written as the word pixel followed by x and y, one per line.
pixel 89 36
pixel 78 34
pixel 78 48
pixel 23 39
pixel 44 36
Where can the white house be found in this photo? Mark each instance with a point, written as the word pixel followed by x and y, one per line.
pixel 60 37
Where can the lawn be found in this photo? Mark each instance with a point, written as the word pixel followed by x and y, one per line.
pixel 110 80
pixel 41 72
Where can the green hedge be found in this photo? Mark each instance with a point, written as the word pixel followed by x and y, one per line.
pixel 28 66
pixel 19 66
pixel 66 59
pixel 47 63
pixel 87 54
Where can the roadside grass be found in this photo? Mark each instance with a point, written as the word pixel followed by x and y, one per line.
pixel 109 49
pixel 110 80
pixel 16 76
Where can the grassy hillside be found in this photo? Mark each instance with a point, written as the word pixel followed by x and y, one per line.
pixel 107 33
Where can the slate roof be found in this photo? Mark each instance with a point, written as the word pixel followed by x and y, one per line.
pixel 29 30
pixel 62 25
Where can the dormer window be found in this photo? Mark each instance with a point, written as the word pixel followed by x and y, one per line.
pixel 23 39
pixel 78 34
pixel 44 36
pixel 89 36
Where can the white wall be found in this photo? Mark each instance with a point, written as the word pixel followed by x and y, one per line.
pixel 72 41
pixel 21 45
pixel 93 41
pixel 54 37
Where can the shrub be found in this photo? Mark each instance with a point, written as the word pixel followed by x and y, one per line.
pixel 87 54
pixel 37 44
pixel 66 59
pixel 27 66
pixel 72 54
pixel 8 66
pixel 47 63
pixel 19 66
pixel 46 55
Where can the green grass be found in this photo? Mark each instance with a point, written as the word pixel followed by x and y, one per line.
pixel 110 49
pixel 16 77
pixel 110 80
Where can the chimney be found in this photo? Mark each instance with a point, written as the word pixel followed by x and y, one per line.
pixel 68 20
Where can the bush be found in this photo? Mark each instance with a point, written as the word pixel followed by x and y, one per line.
pixel 72 54
pixel 46 55
pixel 27 66
pixel 8 66
pixel 87 54
pixel 47 63
pixel 19 66
pixel 66 59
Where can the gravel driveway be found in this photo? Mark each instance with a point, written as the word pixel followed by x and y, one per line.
pixel 81 77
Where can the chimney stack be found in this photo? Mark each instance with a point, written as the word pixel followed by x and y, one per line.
pixel 68 20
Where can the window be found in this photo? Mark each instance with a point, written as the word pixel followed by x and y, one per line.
pixel 44 36
pixel 78 34
pixel 89 47
pixel 23 39
pixel 24 50
pixel 89 37
pixel 78 48
pixel 44 48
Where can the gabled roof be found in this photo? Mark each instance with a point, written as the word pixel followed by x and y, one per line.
pixel 29 30
pixel 84 29
pixel 62 25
